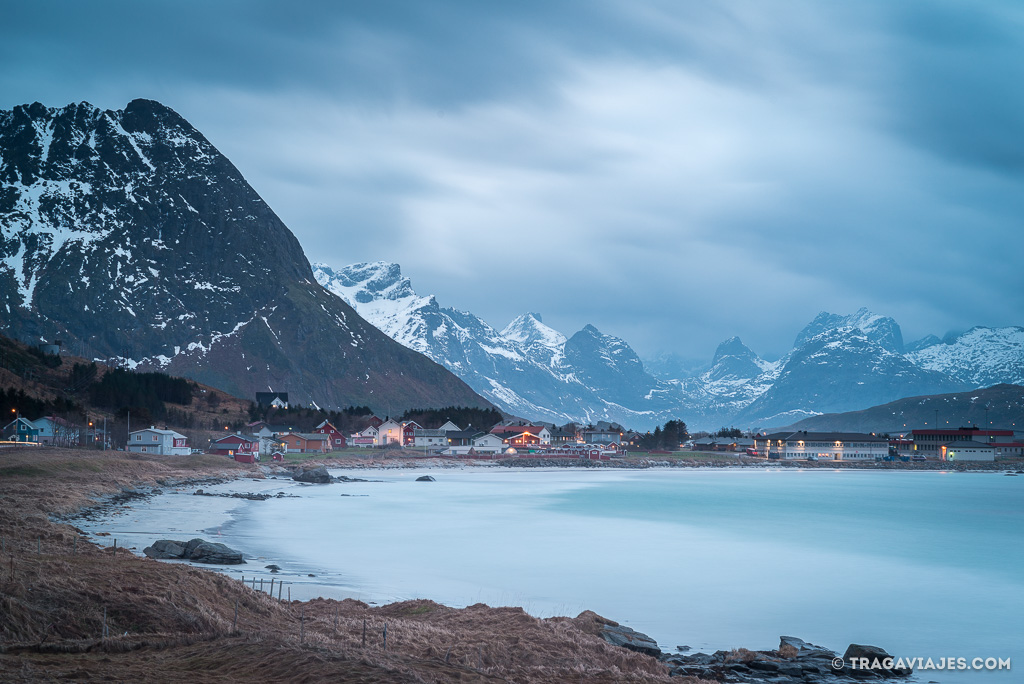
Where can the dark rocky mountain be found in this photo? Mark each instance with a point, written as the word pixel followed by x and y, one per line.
pixel 128 236
pixel 1000 406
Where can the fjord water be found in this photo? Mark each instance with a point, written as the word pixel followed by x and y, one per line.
pixel 922 564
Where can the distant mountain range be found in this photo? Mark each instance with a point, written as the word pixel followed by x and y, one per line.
pixel 129 237
pixel 838 363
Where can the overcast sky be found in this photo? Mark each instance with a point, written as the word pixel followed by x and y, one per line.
pixel 673 172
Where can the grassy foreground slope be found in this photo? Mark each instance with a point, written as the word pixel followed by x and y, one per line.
pixel 174 622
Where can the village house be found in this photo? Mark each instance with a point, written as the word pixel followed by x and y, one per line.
pixel 244 449
pixel 268 445
pixel 390 432
pixel 272 399
pixel 365 438
pixel 831 446
pixel 21 430
pixel 160 442
pixel 409 432
pixel 480 443
pixel 601 436
pixel 489 444
pixel 430 439
pixel 560 436
pixel 337 440
pixel 263 429
pixel 55 431
pixel 462 438
pixel 449 426
pixel 305 443
pixel 734 444
pixel 520 440
pixel 540 432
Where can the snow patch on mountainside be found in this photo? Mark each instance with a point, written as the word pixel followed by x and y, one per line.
pixel 981 356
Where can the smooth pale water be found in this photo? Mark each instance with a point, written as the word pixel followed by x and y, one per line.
pixel 922 564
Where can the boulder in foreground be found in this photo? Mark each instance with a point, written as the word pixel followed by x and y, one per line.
pixel 318 475
pixel 195 550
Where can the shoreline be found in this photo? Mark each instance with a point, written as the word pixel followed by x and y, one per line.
pixel 80 611
pixel 1012 467
pixel 123 490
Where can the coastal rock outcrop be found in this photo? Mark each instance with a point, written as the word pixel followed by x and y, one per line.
pixel 615 634
pixel 195 550
pixel 425 478
pixel 795 662
pixel 620 635
pixel 318 475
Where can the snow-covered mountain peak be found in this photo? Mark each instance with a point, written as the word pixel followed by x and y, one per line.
pixel 365 282
pixel 529 329
pixel 882 330
pixel 734 361
pixel 981 356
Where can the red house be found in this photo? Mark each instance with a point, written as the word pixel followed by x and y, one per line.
pixel 242 449
pixel 409 432
pixel 336 440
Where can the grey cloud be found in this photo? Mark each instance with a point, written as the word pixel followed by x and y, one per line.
pixel 675 173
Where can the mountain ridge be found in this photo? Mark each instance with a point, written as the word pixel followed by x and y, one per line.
pixel 839 362
pixel 129 235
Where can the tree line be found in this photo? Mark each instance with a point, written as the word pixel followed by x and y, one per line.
pixel 121 389
pixel 667 437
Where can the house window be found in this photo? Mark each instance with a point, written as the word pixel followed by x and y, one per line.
pixel 144 449
pixel 154 438
pixel 138 438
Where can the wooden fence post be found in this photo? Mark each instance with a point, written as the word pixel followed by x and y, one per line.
pixel 364 632
pixel 385 637
pixel 234 625
pixel 302 625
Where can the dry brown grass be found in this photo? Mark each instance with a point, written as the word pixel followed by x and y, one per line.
pixel 173 622
pixel 743 655
pixel 788 652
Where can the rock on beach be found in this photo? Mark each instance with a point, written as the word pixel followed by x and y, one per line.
pixel 318 475
pixel 195 550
